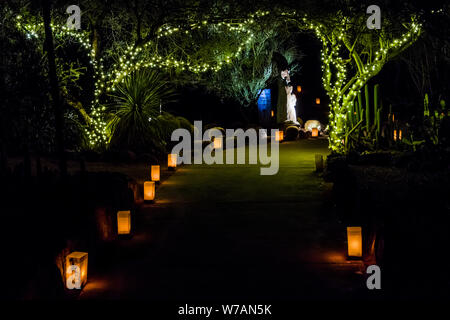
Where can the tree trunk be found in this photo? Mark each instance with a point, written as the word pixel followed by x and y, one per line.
pixel 79 107
pixel 95 40
pixel 26 154
pixel 57 108
pixel 3 155
pixel 3 134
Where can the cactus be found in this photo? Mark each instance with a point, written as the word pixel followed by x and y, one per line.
pixel 378 122
pixel 360 107
pixel 351 114
pixel 367 116
pixel 426 109
pixel 443 109
pixel 366 93
pixel 377 111
pixel 432 121
pixel 376 92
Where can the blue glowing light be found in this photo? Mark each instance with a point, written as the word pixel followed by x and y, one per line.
pixel 264 101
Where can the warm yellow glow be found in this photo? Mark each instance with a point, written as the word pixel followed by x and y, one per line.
pixel 354 239
pixel 314 132
pixel 217 143
pixel 279 136
pixel 299 89
pixel 80 260
pixel 395 135
pixel 172 160
pixel 149 190
pixel 399 134
pixel 123 222
pixel 155 173
pixel 272 113
pixel 317 100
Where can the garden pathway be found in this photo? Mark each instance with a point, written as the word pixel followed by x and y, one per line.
pixel 225 233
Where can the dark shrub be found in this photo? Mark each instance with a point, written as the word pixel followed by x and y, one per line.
pixel 185 124
pixel 291 133
pixel 301 134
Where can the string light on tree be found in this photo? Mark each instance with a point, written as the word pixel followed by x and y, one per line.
pixel 341 88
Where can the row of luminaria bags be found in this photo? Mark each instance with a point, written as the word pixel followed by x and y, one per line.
pixel 77 262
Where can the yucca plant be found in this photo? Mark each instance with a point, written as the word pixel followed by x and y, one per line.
pixel 136 107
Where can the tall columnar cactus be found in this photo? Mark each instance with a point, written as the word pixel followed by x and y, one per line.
pixel 366 115
pixel 360 106
pixel 376 101
pixel 432 120
pixel 366 94
pixel 378 133
pixel 352 115
pixel 377 110
pixel 426 109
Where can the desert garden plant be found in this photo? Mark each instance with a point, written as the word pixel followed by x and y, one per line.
pixel 135 109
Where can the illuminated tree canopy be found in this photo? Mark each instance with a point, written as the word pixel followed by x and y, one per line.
pixel 173 48
pixel 352 54
pixel 188 46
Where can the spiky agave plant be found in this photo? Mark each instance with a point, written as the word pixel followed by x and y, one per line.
pixel 135 109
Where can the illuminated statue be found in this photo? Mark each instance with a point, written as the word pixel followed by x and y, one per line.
pixel 283 81
pixel 291 102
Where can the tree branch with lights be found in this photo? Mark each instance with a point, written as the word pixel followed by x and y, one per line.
pixel 179 48
pixel 351 55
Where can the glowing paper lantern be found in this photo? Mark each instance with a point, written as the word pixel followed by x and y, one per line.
pixel 279 136
pixel 172 161
pixel 155 172
pixel 272 113
pixel 314 132
pixel 217 143
pixel 395 135
pixel 317 100
pixel 354 239
pixel 76 270
pixel 399 134
pixel 123 222
pixel 149 191
pixel 299 88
